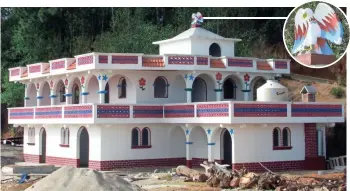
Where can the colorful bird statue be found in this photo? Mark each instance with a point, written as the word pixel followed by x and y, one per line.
pixel 197 19
pixel 312 29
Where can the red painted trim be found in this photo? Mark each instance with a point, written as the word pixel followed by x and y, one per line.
pixel 141 146
pixel 282 148
pixel 310 133
pixel 31 144
pixel 64 145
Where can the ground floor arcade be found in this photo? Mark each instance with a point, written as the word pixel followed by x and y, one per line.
pixel 105 147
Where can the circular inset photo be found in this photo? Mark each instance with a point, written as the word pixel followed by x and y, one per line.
pixel 316 34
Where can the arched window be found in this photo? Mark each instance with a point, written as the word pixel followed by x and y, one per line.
pixel 107 93
pixel 61 92
pixel 122 88
pixel 66 136
pixel 62 135
pixel 31 136
pixel 160 87
pixel 286 135
pixel 276 137
pixel 75 94
pixel 229 88
pixel 215 50
pixel 135 137
pixel 146 134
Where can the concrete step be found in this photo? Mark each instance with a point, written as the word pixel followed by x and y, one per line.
pixel 340 168
pixel 28 168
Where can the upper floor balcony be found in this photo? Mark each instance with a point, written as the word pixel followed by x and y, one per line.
pixel 166 62
pixel 224 112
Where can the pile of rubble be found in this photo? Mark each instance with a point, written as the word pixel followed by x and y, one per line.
pixel 217 175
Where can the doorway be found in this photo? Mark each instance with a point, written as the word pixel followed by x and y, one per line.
pixel 227 147
pixel 83 147
pixel 42 146
pixel 199 90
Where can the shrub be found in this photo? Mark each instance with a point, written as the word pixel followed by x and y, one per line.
pixel 338 92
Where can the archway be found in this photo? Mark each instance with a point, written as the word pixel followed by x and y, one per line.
pixel 232 87
pixel 31 94
pixel 257 82
pixel 60 91
pixel 75 94
pixel 92 88
pixel 199 148
pixel 215 50
pixel 177 147
pixel 107 93
pixel 226 147
pixel 199 90
pixel 45 92
pixel 83 147
pixel 42 146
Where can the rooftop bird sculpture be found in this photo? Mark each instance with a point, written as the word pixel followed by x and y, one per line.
pixel 312 29
pixel 197 19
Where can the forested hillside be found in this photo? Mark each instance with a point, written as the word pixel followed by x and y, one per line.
pixel 31 35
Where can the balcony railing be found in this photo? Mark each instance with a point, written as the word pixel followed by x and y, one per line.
pixel 224 112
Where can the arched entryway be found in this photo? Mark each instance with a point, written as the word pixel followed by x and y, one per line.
pixel 42 146
pixel 75 94
pixel 226 147
pixel 177 147
pixel 107 93
pixel 215 50
pixel 83 147
pixel 31 95
pixel 199 90
pixel 45 93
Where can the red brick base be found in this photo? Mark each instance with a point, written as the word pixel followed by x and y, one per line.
pixel 315 163
pixel 197 161
pixel 62 161
pixel 273 166
pixel 189 163
pixel 109 165
pixel 31 158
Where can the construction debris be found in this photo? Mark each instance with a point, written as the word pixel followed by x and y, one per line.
pixel 80 179
pixel 193 174
pixel 218 176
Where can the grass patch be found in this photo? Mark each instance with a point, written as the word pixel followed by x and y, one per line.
pixel 338 92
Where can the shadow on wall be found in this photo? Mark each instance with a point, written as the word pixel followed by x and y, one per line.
pixel 336 140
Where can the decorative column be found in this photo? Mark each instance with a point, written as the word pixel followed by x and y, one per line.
pixel 67 94
pixel 218 89
pixel 84 93
pixel 52 93
pixel 189 81
pixel 102 80
pixel 26 98
pixel 211 144
pixel 246 89
pixel 39 97
pixel 188 148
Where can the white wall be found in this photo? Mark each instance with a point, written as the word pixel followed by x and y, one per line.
pixel 179 47
pixel 258 141
pixel 93 88
pixel 46 95
pixel 31 149
pixel 116 143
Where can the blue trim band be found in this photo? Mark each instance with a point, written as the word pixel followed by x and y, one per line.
pixel 245 90
pixel 102 92
pixel 39 97
pixel 84 93
pixel 211 143
pixel 188 143
pixel 26 98
pixel 217 90
pixel 188 89
pixel 53 96
pixel 67 95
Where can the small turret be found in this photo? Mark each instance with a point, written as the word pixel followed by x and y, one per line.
pixel 308 94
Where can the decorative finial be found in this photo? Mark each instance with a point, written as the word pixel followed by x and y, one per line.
pixel 197 19
pixel 313 30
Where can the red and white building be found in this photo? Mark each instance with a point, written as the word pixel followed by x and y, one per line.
pixel 194 101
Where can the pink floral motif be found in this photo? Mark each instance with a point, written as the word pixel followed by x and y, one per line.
pixel 218 76
pixel 246 77
pixel 82 80
pixel 37 85
pixel 66 82
pixel 142 83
